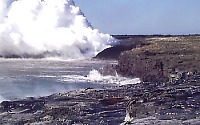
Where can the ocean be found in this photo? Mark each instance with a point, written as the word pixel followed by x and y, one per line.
pixel 20 78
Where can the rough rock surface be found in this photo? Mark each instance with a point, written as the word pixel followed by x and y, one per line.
pixel 178 101
pixel 125 43
pixel 164 58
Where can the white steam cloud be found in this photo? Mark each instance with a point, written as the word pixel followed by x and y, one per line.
pixel 49 28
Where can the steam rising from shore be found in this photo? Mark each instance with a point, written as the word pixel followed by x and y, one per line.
pixel 48 28
pixel 1 99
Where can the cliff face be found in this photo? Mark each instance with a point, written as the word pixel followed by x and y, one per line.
pixel 163 59
pixel 135 65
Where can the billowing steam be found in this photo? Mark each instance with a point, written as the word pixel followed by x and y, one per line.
pixel 42 28
pixel 1 99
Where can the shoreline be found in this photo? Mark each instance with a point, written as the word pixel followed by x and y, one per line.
pixel 108 105
pixel 176 101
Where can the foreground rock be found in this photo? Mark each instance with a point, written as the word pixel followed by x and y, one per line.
pixel 177 102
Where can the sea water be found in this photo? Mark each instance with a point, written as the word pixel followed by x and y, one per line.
pixel 20 78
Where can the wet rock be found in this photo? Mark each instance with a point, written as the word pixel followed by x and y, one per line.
pixel 150 102
pixel 110 101
pixel 109 70
pixel 30 105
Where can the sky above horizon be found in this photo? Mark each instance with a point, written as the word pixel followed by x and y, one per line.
pixel 143 16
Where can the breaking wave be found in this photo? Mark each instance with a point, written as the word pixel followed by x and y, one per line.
pixel 48 28
pixel 95 76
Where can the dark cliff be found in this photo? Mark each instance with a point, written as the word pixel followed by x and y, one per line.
pixel 161 59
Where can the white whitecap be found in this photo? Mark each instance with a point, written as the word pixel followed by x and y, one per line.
pixel 96 77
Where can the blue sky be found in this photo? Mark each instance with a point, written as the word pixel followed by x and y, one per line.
pixel 143 16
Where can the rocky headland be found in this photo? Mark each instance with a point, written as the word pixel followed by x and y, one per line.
pixel 156 58
pixel 169 93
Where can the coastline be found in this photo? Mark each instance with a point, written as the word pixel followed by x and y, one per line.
pixel 176 101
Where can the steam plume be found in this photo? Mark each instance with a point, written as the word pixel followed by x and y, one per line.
pixel 48 28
